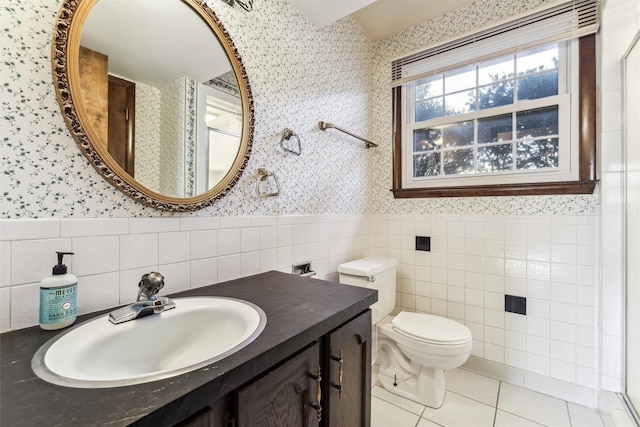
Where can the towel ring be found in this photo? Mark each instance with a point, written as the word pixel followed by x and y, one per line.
pixel 262 176
pixel 287 134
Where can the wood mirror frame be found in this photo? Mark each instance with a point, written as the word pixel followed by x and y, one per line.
pixel 65 50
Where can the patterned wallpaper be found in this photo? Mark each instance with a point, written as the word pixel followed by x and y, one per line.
pixel 160 127
pixel 299 75
pixel 454 24
pixel 147 136
pixel 172 148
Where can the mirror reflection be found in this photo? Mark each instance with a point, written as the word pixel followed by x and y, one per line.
pixel 160 94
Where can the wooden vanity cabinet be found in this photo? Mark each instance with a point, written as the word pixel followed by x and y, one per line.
pixel 347 362
pixel 328 384
pixel 289 395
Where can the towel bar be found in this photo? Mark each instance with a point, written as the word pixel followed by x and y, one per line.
pixel 325 126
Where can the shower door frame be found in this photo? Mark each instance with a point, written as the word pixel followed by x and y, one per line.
pixel 631 83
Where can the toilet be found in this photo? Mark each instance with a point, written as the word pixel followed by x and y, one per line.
pixel 413 349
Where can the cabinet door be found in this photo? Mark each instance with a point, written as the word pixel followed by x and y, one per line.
pixel 348 366
pixel 94 87
pixel 214 415
pixel 287 396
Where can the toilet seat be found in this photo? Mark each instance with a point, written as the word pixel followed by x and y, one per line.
pixel 430 328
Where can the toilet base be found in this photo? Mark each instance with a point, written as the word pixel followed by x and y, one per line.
pixel 427 387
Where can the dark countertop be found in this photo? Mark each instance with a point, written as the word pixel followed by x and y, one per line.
pixel 299 310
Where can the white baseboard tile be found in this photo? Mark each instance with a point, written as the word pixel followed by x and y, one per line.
pixel 550 386
pixel 496 370
pixel 570 392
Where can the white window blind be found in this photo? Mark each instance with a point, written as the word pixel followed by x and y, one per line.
pixel 560 21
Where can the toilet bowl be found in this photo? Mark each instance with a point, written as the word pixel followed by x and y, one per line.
pixel 413 349
pixel 413 365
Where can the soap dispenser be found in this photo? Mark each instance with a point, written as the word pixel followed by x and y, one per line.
pixel 58 297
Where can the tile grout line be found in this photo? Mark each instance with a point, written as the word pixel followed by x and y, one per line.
pixel 496 408
pixel 424 408
pixel 495 412
pixel 400 407
pixel 420 418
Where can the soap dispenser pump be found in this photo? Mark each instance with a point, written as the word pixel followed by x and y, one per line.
pixel 58 297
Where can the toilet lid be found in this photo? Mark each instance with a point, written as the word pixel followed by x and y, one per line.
pixel 367 266
pixel 431 328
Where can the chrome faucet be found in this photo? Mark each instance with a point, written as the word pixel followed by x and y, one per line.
pixel 148 301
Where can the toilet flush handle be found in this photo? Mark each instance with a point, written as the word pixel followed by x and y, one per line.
pixel 371 279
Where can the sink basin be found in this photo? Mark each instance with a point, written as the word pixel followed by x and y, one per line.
pixel 198 332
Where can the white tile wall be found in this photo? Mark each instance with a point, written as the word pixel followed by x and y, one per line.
pixel 112 254
pixel 620 22
pixel 474 261
pixel 138 250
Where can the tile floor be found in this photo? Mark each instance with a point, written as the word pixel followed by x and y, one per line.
pixel 474 400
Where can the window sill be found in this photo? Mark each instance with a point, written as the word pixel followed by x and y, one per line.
pixel 541 189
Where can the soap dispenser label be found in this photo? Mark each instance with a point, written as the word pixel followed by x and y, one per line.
pixel 58 304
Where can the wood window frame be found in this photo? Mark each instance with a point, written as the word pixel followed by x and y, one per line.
pixel 586 139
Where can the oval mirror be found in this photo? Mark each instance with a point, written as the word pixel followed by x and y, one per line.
pixel 156 96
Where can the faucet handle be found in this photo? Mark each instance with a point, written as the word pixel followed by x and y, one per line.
pixel 150 285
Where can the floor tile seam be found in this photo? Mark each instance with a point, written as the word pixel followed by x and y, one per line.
pixel 489 378
pixel 495 406
pixel 566 405
pixel 529 419
pixel 514 385
pixel 495 411
pixel 400 407
pixel 476 400
pixel 421 414
pixel 466 397
pixel 509 412
pixel 424 409
pixel 431 421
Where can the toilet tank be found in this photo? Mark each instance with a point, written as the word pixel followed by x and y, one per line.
pixel 375 273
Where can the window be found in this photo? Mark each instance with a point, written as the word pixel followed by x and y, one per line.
pixel 520 121
pixel 499 118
